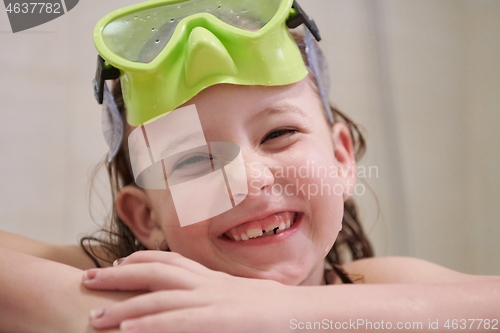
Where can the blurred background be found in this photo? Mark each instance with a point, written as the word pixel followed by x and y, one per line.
pixel 421 77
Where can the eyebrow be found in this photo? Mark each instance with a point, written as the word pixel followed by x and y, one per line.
pixel 180 140
pixel 278 109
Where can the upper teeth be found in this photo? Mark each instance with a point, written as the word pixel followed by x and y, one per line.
pixel 274 224
pixel 254 233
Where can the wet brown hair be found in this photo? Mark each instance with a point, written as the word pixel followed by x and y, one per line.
pixel 117 241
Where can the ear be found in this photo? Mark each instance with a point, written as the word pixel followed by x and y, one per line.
pixel 344 153
pixel 135 210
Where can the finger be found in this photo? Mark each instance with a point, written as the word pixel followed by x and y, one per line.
pixel 144 305
pixel 193 320
pixel 169 258
pixel 140 277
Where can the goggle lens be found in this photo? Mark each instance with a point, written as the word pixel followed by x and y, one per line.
pixel 141 36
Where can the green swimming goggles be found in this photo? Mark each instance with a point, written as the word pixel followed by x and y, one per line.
pixel 167 51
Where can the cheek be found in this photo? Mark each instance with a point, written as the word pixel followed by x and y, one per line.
pixel 165 209
pixel 167 215
pixel 314 168
pixel 187 240
pixel 317 179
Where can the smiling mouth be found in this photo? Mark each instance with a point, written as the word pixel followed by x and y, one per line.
pixel 271 225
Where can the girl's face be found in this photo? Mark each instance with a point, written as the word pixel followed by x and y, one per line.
pixel 298 170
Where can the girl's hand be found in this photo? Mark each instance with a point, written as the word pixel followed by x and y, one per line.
pixel 185 296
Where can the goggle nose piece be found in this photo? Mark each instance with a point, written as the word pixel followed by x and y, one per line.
pixel 205 48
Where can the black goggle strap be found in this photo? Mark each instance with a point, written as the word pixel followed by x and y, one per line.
pixel 111 120
pixel 316 58
pixel 111 123
pixel 319 68
pixel 104 72
pixel 300 17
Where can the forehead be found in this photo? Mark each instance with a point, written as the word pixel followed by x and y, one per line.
pixel 224 107
pixel 245 103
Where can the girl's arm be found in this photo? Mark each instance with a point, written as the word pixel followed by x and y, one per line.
pixel 417 307
pixel 39 296
pixel 72 255
pixel 385 270
pixel 217 302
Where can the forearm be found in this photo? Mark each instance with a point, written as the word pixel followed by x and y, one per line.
pixel 419 305
pixel 72 255
pixel 38 295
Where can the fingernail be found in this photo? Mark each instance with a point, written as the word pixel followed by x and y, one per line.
pixel 117 261
pixel 89 275
pixel 96 314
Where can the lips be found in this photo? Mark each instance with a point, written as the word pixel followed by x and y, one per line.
pixel 270 225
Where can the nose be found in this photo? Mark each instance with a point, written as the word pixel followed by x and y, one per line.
pixel 250 176
pixel 259 177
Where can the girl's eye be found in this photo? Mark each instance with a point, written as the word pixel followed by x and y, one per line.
pixel 190 161
pixel 278 133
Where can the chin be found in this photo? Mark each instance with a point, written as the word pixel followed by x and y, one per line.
pixel 284 275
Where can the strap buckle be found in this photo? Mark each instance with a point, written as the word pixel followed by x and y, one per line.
pixel 300 17
pixel 104 72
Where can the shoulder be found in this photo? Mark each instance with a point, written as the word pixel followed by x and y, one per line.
pixel 71 255
pixel 404 270
pixel 75 256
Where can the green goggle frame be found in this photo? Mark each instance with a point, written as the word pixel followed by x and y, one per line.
pixel 167 51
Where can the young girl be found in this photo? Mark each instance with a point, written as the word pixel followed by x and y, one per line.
pixel 237 270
